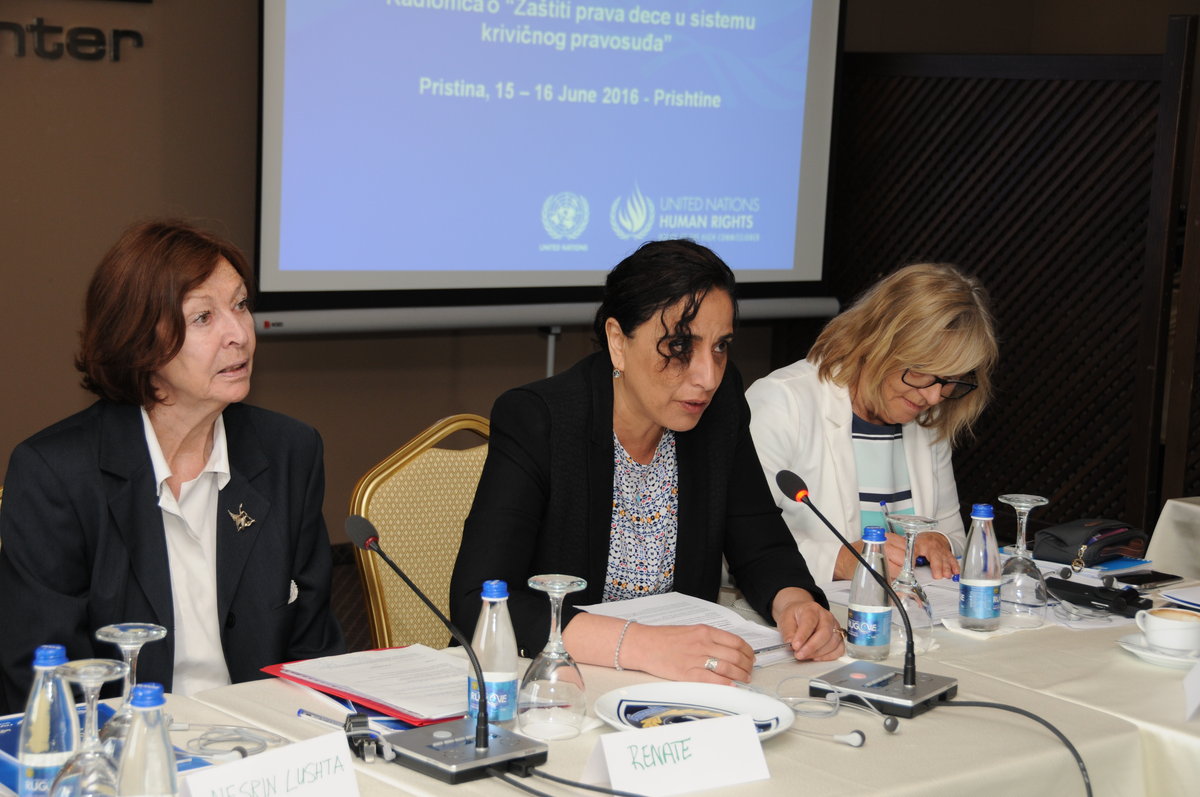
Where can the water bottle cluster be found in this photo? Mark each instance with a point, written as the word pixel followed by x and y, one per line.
pixel 52 758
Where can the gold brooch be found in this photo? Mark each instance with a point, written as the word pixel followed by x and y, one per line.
pixel 241 519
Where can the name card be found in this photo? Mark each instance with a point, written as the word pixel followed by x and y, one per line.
pixel 1191 693
pixel 673 759
pixel 316 767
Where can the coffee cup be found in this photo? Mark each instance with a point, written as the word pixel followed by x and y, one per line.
pixel 1170 630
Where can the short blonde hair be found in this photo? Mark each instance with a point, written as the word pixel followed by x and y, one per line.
pixel 929 317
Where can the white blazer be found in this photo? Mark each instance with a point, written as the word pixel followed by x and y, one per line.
pixel 802 423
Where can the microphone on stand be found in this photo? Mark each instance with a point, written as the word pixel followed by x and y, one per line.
pixel 452 751
pixel 869 681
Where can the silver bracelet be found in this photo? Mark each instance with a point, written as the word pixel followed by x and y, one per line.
pixel 617 651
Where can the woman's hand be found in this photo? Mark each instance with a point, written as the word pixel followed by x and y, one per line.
pixel 935 547
pixel 687 653
pixel 932 545
pixel 812 630
pixel 676 652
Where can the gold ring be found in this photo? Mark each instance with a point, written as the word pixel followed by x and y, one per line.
pixel 711 664
pixel 841 632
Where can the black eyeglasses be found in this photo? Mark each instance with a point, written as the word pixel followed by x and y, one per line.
pixel 951 388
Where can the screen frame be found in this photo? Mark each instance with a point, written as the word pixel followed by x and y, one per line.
pixel 304 309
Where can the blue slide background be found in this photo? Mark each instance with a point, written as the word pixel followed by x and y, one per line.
pixel 376 176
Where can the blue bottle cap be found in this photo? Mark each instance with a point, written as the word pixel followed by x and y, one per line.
pixel 874 534
pixel 49 656
pixel 982 511
pixel 495 590
pixel 147 695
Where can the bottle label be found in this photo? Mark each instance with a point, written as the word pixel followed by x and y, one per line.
pixel 979 600
pixel 869 626
pixel 38 774
pixel 501 695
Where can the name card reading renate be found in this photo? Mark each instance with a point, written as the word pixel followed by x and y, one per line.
pixel 673 759
pixel 316 767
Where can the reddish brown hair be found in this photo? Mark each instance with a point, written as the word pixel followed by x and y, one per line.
pixel 133 321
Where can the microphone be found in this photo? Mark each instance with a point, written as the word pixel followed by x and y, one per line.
pixel 869 681
pixel 445 750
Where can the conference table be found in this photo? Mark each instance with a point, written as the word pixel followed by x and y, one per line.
pixel 1125 716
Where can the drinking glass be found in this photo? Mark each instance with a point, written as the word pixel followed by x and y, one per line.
pixel 552 704
pixel 1023 595
pixel 913 600
pixel 129 638
pixel 91 772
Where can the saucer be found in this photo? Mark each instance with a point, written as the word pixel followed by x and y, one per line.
pixel 1136 644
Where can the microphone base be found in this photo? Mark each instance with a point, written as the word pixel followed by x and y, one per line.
pixel 446 751
pixel 883 687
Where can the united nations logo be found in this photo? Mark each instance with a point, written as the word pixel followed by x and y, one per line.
pixel 632 216
pixel 565 215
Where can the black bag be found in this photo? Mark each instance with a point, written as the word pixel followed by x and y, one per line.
pixel 1088 542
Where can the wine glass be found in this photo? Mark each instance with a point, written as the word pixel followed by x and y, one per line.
pixel 913 600
pixel 91 772
pixel 129 638
pixel 1023 595
pixel 552 704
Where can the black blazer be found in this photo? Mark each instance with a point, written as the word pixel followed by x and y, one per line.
pixel 82 545
pixel 544 503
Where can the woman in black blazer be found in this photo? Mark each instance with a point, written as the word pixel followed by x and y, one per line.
pixel 635 470
pixel 167 501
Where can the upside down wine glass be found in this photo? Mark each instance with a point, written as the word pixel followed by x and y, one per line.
pixel 91 772
pixel 552 704
pixel 129 638
pixel 1023 595
pixel 913 600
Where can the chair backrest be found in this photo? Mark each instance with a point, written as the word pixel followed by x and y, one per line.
pixel 417 499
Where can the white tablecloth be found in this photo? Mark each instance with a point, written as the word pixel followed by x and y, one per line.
pixel 950 751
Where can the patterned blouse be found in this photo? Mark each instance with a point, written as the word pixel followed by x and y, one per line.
pixel 645 521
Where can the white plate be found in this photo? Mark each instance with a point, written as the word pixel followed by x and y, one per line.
pixel 1136 644
pixel 653 704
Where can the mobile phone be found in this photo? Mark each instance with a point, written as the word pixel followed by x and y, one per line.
pixel 1149 579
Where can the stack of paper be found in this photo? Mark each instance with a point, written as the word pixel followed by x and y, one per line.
pixel 415 683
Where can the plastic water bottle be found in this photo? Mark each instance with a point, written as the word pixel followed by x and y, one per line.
pixel 496 646
pixel 979 584
pixel 869 624
pixel 50 727
pixel 147 767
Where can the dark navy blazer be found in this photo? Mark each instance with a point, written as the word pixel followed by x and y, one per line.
pixel 82 545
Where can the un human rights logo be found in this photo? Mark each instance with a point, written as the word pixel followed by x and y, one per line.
pixel 632 216
pixel 565 215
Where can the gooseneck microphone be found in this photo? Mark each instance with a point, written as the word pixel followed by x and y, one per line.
pixel 869 681
pixel 442 750
pixel 795 488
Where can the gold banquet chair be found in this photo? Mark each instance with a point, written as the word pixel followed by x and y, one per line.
pixel 417 499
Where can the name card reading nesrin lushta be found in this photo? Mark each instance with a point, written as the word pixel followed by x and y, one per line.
pixel 673 759
pixel 316 767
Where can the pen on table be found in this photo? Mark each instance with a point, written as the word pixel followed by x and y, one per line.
pixel 312 715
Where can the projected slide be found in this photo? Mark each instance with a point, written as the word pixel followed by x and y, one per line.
pixel 496 143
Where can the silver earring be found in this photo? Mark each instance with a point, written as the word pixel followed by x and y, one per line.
pixel 616 373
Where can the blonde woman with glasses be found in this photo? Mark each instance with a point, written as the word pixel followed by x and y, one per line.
pixel 871 414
